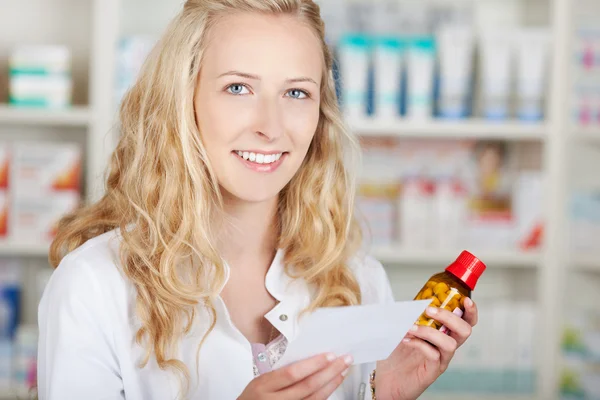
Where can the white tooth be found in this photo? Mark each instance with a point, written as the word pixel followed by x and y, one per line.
pixel 239 153
pixel 252 157
pixel 268 159
pixel 260 158
pixel 245 155
pixel 278 156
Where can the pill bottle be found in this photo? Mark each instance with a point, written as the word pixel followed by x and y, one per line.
pixel 449 288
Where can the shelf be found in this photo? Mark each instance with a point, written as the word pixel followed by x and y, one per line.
pixel 479 396
pixel 587 134
pixel 504 259
pixel 451 129
pixel 75 116
pixel 587 263
pixel 15 394
pixel 8 248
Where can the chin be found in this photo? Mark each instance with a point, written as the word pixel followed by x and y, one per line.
pixel 250 194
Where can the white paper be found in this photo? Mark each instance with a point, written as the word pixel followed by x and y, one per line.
pixel 368 332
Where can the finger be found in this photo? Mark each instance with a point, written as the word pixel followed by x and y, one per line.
pixel 312 384
pixel 326 391
pixel 426 349
pixel 444 344
pixel 471 312
pixel 296 372
pixel 459 329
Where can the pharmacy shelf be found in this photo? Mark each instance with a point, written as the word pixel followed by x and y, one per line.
pixel 74 116
pixel 453 129
pixel 14 394
pixel 587 135
pixel 587 262
pixel 480 396
pixel 496 259
pixel 8 248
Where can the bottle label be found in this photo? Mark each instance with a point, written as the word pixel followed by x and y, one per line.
pixel 456 311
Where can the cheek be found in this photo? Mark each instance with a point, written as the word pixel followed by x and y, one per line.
pixel 302 124
pixel 216 124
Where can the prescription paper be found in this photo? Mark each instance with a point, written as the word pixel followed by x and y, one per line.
pixel 368 332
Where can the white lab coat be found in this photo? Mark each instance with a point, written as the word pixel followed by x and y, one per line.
pixel 87 325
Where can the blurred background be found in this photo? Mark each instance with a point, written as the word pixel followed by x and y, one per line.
pixel 480 127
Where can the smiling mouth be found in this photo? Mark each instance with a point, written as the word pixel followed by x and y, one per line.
pixel 260 158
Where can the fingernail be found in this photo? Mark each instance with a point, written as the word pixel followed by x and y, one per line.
pixel 414 328
pixel 330 357
pixel 468 302
pixel 348 359
pixel 432 310
pixel 345 372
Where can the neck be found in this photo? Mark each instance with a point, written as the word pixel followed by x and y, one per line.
pixel 250 230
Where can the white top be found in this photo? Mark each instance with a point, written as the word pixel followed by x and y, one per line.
pixel 87 324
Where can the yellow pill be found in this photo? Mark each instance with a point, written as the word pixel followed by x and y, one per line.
pixel 453 305
pixel 440 288
pixel 442 297
pixel 435 302
pixel 427 294
pixel 430 284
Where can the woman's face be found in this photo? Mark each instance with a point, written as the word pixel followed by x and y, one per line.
pixel 257 101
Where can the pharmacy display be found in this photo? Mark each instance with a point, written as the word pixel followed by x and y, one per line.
pixel 39 183
pixel 425 194
pixel 433 76
pixel 40 76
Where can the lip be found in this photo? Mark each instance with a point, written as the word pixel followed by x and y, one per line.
pixel 266 153
pixel 266 168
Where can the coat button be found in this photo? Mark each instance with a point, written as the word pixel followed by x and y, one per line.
pixel 283 317
pixel 262 357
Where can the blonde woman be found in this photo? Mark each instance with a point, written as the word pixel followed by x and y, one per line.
pixel 227 214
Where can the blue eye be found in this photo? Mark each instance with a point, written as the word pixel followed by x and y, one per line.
pixel 237 89
pixel 297 94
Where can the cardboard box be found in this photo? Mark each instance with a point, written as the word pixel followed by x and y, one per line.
pixel 34 220
pixel 4 211
pixel 42 168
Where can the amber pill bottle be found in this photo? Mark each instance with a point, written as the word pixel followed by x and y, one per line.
pixel 448 289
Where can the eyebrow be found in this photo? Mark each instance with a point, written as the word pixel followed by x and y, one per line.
pixel 257 78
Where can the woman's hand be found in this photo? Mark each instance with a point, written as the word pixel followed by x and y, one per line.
pixel 315 378
pixel 423 355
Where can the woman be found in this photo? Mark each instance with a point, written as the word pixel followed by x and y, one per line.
pixel 227 214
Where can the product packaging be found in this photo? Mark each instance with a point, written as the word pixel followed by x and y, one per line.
pixel 495 48
pixel 354 58
pixel 455 49
pixel 389 55
pixel 420 75
pixel 25 358
pixel 40 76
pixel 449 289
pixel 451 195
pixel 35 219
pixel 132 52
pixel 41 168
pixel 532 71
pixel 416 202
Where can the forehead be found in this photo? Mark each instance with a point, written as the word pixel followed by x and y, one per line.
pixel 263 44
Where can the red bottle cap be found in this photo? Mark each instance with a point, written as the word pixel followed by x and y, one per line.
pixel 467 268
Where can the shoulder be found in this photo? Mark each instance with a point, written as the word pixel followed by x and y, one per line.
pixel 89 276
pixel 372 278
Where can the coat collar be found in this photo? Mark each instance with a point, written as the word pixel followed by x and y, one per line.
pixel 293 296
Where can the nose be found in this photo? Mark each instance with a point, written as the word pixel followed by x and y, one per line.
pixel 269 119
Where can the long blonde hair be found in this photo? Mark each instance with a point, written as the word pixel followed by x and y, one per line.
pixel 161 191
